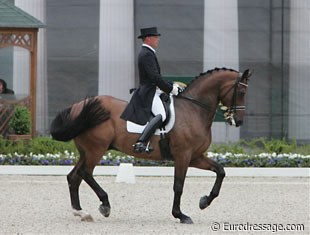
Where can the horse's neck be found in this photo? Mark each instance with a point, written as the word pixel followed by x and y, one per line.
pixel 206 91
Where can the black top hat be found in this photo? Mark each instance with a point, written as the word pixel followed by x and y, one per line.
pixel 149 32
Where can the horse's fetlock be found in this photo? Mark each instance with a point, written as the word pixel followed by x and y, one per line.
pixel 105 203
pixel 213 195
pixel 176 214
pixel 77 208
pixel 105 200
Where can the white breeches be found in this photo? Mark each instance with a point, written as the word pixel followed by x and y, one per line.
pixel 157 105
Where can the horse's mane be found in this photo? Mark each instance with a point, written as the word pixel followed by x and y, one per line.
pixel 207 74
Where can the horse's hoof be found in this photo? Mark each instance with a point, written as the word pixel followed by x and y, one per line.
pixel 186 220
pixel 203 203
pixel 105 210
pixel 84 215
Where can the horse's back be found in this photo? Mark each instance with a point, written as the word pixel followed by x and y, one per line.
pixel 111 103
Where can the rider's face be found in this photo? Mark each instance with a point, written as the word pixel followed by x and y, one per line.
pixel 153 41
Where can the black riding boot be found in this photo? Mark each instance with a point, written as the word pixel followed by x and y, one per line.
pixel 142 144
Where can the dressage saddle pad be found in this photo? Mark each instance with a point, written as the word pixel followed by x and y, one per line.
pixel 135 128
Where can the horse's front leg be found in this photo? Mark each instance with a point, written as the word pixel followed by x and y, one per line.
pixel 180 170
pixel 208 164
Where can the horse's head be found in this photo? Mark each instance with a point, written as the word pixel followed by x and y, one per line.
pixel 232 97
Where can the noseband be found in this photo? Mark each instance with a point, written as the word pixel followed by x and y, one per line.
pixel 228 112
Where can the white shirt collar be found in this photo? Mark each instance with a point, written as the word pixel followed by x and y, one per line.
pixel 145 45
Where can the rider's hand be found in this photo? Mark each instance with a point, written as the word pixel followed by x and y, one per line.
pixel 177 89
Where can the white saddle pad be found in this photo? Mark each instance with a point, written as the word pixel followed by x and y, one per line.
pixel 135 128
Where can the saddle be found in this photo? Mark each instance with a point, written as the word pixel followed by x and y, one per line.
pixel 168 123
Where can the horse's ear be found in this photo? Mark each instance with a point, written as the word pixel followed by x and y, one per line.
pixel 247 74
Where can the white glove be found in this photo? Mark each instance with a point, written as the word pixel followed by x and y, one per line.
pixel 177 89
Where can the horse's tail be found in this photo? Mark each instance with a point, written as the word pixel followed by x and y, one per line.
pixel 65 128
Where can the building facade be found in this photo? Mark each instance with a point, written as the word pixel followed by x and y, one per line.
pixel 90 48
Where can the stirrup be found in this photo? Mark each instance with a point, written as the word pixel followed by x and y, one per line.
pixel 140 147
pixel 148 148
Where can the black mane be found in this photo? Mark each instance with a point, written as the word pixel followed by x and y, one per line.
pixel 209 72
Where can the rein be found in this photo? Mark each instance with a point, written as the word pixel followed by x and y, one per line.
pixel 191 99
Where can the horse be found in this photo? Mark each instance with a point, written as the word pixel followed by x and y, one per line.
pixel 95 126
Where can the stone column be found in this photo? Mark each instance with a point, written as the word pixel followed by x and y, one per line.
pixel 116 48
pixel 299 62
pixel 37 8
pixel 221 49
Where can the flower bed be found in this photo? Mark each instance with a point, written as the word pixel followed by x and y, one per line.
pixel 253 153
pixel 114 158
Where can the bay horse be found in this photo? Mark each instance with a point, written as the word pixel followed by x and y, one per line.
pixel 95 126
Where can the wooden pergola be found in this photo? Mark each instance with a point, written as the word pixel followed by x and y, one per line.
pixel 18 28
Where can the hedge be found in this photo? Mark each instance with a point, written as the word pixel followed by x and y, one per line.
pixel 254 153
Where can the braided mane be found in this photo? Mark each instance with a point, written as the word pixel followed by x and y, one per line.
pixel 208 73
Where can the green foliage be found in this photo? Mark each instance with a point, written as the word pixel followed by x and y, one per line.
pixel 261 145
pixel 224 148
pixel 20 120
pixel 44 145
pixel 254 153
pixel 5 145
pixel 40 145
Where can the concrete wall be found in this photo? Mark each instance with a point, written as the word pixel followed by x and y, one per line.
pixel 72 57
pixel 180 23
pixel 263 47
pixel 264 36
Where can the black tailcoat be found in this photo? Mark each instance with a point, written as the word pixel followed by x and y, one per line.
pixel 139 108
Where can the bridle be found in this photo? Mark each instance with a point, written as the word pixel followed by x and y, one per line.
pixel 228 112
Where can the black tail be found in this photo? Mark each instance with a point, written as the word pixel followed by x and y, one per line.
pixel 63 128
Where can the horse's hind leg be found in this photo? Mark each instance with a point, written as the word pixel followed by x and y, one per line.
pixel 208 164
pixel 74 181
pixel 86 172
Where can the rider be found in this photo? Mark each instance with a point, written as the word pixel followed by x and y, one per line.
pixel 139 110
